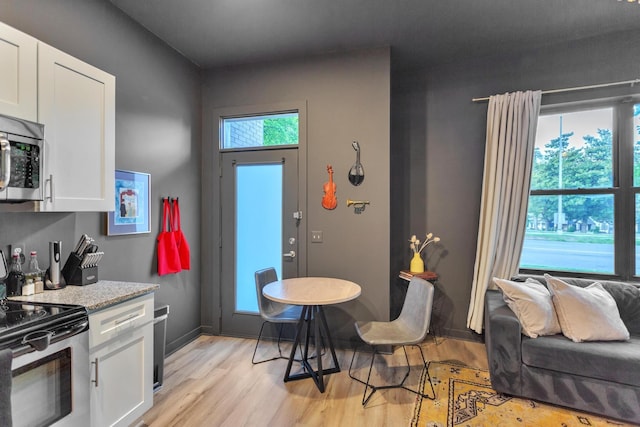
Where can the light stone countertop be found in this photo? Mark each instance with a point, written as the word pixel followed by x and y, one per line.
pixel 95 296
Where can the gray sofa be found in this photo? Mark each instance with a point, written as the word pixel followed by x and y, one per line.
pixel 598 377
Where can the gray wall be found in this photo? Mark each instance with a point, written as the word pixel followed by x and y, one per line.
pixel 348 98
pixel 158 124
pixel 430 180
pixel 435 119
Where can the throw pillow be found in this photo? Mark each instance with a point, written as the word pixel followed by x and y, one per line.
pixel 532 305
pixel 586 314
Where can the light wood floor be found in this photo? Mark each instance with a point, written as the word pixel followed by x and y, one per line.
pixel 211 382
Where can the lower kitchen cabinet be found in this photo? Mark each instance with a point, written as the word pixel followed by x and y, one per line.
pixel 121 355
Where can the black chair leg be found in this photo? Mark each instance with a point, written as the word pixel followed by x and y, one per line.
pixel 279 339
pixel 374 388
pixel 280 356
pixel 253 358
pixel 432 396
pixel 365 398
pixel 280 351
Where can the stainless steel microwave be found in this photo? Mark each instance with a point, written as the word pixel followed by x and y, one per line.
pixel 21 160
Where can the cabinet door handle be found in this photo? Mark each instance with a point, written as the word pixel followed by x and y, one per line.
pixel 95 371
pixel 126 319
pixel 50 198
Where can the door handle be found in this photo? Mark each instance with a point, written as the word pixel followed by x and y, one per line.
pixel 50 197
pixel 95 367
pixel 129 318
pixel 290 254
pixel 5 162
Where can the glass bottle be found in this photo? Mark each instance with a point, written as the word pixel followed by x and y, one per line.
pixel 34 273
pixel 15 280
pixel 34 269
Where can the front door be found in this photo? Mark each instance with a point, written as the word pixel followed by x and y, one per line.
pixel 259 229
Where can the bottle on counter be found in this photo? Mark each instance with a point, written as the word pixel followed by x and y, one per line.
pixel 15 280
pixel 29 287
pixel 35 274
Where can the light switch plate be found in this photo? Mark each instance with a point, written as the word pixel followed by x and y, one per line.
pixel 316 237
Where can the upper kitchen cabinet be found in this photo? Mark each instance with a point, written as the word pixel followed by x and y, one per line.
pixel 18 74
pixel 76 104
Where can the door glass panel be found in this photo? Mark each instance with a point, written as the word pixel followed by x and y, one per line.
pixel 636 145
pixel 258 228
pixel 260 131
pixel 569 233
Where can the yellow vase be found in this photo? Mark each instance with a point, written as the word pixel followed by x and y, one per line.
pixel 417 265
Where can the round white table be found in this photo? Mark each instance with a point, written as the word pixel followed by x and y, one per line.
pixel 313 293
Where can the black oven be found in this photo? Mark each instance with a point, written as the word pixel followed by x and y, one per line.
pixel 50 367
pixel 21 160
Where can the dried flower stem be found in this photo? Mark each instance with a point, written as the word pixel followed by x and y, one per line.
pixel 415 245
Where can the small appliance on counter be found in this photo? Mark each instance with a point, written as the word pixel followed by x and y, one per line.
pixel 81 267
pixel 53 278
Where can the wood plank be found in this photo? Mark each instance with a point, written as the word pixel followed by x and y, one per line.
pixel 211 382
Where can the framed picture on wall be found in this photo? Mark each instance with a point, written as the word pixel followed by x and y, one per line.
pixel 133 204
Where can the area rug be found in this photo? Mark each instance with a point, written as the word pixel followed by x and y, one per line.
pixel 464 397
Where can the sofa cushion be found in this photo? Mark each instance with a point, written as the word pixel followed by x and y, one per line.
pixel 586 314
pixel 531 303
pixel 627 299
pixel 615 361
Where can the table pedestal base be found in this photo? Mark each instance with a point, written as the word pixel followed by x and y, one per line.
pixel 312 313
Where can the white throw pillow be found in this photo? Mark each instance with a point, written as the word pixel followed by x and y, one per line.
pixel 532 305
pixel 586 314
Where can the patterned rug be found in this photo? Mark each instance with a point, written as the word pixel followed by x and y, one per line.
pixel 464 398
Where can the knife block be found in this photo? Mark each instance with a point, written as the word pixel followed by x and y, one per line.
pixel 76 275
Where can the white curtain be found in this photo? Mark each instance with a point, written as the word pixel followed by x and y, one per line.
pixel 511 129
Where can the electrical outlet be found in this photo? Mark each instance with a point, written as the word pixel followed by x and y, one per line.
pixel 316 237
pixel 17 247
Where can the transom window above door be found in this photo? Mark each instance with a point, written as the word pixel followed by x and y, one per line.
pixel 259 131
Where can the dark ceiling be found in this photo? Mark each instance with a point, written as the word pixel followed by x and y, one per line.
pixel 214 33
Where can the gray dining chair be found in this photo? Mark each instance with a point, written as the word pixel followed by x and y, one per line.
pixel 409 329
pixel 272 312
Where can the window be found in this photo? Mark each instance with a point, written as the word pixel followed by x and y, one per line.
pixel 585 184
pixel 260 131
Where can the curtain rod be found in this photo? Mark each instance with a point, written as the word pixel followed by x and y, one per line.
pixel 571 89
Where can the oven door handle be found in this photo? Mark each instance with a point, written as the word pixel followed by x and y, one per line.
pixel 22 350
pixel 70 331
pixel 59 336
pixel 5 162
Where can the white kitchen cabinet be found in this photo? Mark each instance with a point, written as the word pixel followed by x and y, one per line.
pixel 121 355
pixel 18 74
pixel 76 104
